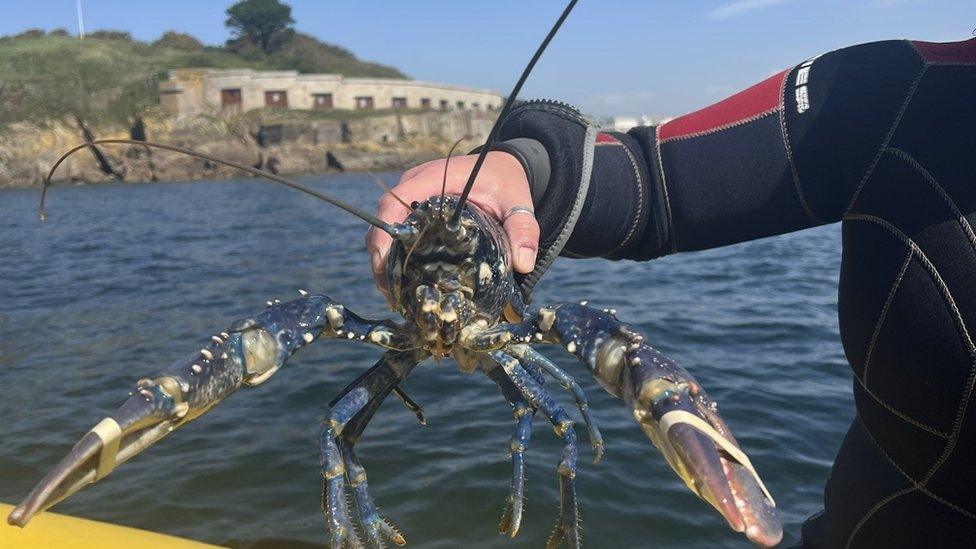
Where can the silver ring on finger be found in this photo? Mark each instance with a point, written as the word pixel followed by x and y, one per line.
pixel 514 210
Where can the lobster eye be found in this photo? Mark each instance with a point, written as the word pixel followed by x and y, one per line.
pixel 414 205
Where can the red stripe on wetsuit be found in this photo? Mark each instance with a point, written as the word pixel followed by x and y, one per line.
pixel 948 52
pixel 746 105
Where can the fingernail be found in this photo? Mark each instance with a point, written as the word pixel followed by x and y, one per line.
pixel 526 258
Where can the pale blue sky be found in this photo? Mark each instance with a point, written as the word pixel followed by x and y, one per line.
pixel 611 57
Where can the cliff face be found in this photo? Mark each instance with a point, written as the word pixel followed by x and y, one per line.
pixel 285 143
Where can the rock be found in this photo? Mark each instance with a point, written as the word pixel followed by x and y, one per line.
pixel 391 141
pixel 169 166
pixel 288 160
pixel 14 172
pixel 359 159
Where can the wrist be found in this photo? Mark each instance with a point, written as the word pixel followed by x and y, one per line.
pixel 567 138
pixel 534 161
pixel 507 167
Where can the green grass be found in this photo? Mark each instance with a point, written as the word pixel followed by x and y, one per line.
pixel 111 80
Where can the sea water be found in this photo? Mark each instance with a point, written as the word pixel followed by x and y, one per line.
pixel 122 280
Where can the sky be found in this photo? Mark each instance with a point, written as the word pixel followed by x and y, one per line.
pixel 611 58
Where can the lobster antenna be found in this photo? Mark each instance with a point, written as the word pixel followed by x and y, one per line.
pixel 368 218
pixel 447 162
pixel 413 246
pixel 387 188
pixel 509 102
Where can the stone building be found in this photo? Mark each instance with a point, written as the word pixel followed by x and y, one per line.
pixel 189 92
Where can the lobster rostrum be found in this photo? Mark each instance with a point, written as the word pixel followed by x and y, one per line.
pixel 451 279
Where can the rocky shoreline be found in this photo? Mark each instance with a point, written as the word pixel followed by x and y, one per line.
pixel 282 143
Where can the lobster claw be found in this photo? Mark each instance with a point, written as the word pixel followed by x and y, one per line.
pixel 154 410
pixel 682 421
pixel 248 355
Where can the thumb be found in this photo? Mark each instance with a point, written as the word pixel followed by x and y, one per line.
pixel 523 237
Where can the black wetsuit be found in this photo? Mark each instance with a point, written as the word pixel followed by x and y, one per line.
pixel 881 136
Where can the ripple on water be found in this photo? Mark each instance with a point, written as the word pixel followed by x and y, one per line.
pixel 122 281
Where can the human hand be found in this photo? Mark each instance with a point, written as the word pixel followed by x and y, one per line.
pixel 501 186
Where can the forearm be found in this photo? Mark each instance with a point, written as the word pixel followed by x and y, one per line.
pixel 783 155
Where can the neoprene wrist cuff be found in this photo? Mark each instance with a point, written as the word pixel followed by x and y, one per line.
pixel 568 140
pixel 534 159
pixel 596 194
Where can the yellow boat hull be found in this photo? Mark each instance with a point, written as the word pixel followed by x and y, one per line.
pixel 51 530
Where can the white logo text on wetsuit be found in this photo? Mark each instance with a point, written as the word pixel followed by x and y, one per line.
pixel 801 91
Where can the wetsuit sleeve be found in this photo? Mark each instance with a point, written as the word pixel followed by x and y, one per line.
pixel 786 154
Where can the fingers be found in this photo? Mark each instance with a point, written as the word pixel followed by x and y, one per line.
pixel 501 185
pixel 416 184
pixel 378 243
pixel 523 236
pixel 379 275
pixel 391 211
pixel 513 203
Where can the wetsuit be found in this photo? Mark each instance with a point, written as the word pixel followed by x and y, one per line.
pixel 880 136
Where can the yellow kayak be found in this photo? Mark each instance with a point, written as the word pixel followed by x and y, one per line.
pixel 51 530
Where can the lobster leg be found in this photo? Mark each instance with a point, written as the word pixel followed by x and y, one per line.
pixel 567 525
pixel 377 528
pixel 524 412
pixel 530 356
pixel 667 402
pixel 411 405
pixel 373 385
pixel 248 353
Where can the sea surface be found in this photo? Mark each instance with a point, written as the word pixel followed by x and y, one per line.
pixel 122 280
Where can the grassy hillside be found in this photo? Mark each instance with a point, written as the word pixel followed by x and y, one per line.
pixel 108 77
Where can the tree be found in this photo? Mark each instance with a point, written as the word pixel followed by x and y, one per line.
pixel 178 41
pixel 264 23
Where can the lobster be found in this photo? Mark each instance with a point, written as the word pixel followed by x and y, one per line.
pixel 451 280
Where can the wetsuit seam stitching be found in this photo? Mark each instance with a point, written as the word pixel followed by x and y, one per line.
pixel 883 315
pixel 640 203
pixel 963 222
pixel 917 51
pixel 723 127
pixel 887 456
pixel 789 152
pixel 933 272
pixel 927 61
pixel 664 187
pixel 945 502
pixel 960 328
pixel 971 236
pixel 953 63
pixel 877 507
pixel 891 132
pixel 562 237
pixel 901 415
pixel 957 426
pixel 915 484
pixel 967 228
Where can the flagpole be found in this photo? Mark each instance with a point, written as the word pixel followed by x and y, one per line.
pixel 81 20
